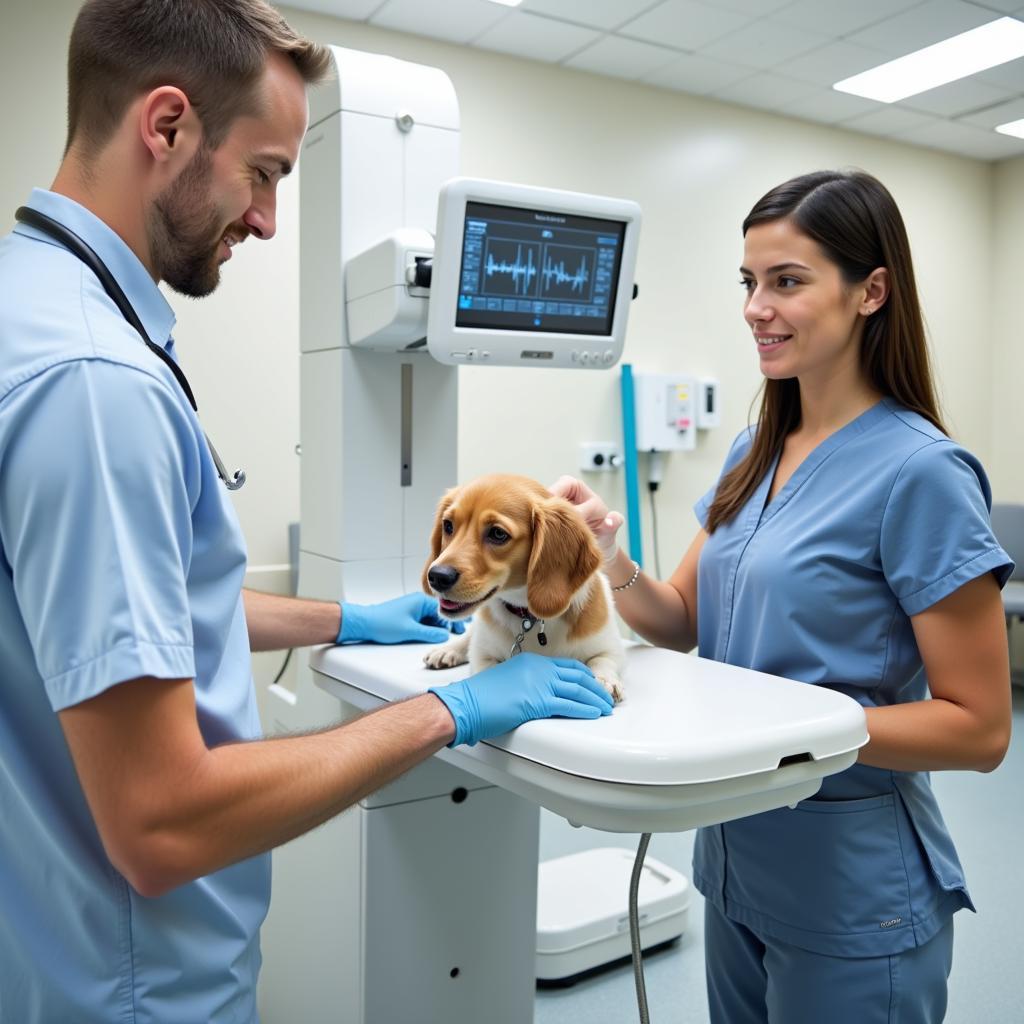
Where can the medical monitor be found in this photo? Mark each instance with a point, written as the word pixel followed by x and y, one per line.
pixel 528 276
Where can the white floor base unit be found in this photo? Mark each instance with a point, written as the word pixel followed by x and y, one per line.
pixel 583 910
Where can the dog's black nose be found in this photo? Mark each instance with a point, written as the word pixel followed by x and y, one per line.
pixel 442 577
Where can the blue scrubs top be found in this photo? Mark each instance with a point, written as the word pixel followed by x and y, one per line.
pixel 883 519
pixel 120 557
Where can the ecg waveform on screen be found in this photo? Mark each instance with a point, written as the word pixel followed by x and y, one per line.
pixel 520 271
pixel 556 277
pixel 543 271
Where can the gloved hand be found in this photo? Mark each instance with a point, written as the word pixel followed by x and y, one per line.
pixel 525 687
pixel 604 525
pixel 411 618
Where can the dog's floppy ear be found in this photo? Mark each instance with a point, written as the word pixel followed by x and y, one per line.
pixel 564 556
pixel 435 537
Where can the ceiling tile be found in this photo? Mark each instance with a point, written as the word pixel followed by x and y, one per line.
pixel 755 8
pixel 1009 76
pixel 1000 6
pixel 964 139
pixel 839 17
pixel 767 91
pixel 956 98
pixel 527 35
pixel 999 113
pixel 764 44
pixel 696 74
pixel 354 10
pixel 888 120
pixel 828 106
pixel 604 14
pixel 457 21
pixel 623 58
pixel 928 23
pixel 828 64
pixel 684 24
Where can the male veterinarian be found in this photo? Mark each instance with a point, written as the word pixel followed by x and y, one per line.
pixel 138 803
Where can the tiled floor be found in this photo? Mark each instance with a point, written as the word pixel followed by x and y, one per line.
pixel 986 816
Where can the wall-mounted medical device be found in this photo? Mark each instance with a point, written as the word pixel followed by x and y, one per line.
pixel 527 276
pixel 515 276
pixel 666 412
pixel 671 408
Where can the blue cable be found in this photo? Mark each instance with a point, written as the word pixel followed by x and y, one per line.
pixel 633 520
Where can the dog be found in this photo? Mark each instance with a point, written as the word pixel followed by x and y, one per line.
pixel 525 565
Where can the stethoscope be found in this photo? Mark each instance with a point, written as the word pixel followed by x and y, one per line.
pixel 77 246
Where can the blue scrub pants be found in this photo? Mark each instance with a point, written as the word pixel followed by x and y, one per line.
pixel 755 981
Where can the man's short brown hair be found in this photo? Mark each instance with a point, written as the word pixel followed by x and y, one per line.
pixel 215 51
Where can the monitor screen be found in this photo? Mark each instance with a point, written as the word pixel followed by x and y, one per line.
pixel 537 270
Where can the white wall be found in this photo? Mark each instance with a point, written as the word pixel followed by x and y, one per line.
pixel 696 167
pixel 1007 463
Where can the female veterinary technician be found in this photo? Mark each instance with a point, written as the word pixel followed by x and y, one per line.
pixel 847 544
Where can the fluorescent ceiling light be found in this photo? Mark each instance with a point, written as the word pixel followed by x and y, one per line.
pixel 962 55
pixel 1012 128
pixel 507 3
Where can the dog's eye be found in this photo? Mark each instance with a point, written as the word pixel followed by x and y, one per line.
pixel 448 527
pixel 496 535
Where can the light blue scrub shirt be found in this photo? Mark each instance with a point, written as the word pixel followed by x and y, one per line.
pixel 121 557
pixel 882 520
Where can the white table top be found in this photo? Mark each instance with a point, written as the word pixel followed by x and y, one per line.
pixel 685 720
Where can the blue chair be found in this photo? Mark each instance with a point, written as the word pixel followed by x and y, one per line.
pixel 1008 526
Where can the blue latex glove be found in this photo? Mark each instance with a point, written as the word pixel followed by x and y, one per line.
pixel 525 687
pixel 411 618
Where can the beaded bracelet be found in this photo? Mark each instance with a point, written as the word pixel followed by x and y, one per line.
pixel 632 579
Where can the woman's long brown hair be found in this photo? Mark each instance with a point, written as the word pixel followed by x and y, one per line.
pixel 855 220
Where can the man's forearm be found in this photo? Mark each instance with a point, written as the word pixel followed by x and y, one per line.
pixel 246 798
pixel 277 622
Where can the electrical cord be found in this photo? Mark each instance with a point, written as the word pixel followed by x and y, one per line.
pixel 284 665
pixel 634 928
pixel 655 467
pixel 652 488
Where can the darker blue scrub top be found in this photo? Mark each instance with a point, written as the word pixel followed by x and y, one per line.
pixel 883 519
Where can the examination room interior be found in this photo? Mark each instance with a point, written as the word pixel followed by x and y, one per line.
pixel 695 164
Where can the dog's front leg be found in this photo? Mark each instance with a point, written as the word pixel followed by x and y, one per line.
pixel 606 671
pixel 455 652
pixel 479 662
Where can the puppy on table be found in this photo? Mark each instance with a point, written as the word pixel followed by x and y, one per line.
pixel 525 565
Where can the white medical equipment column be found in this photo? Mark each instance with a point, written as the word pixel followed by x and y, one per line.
pixel 419 904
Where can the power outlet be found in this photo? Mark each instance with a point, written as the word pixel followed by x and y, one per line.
pixel 600 456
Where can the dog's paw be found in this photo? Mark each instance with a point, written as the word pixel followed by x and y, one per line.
pixel 446 656
pixel 613 685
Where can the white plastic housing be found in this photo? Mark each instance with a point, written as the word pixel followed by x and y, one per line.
pixel 666 412
pixel 552 277
pixel 384 311
pixel 583 909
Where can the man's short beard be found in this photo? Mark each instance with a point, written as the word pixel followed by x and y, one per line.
pixel 185 230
